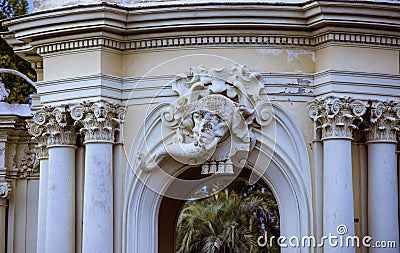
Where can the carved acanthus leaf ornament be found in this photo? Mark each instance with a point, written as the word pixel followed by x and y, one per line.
pixel 336 116
pixel 384 121
pixel 98 120
pixel 54 125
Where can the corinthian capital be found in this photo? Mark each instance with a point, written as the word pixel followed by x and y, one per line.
pixel 53 126
pixel 36 132
pixel 335 116
pixel 99 120
pixel 383 122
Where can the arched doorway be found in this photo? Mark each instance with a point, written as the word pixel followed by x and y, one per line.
pixel 245 211
pixel 288 177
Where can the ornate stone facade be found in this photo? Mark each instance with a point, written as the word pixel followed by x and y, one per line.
pixel 213 119
pixel 197 127
pixel 99 121
pixel 383 124
pixel 336 116
pixel 54 124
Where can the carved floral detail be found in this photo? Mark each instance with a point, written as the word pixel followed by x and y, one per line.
pixel 384 121
pixel 54 124
pixel 5 189
pixel 36 131
pixel 335 116
pixel 213 119
pixel 99 120
pixel 29 162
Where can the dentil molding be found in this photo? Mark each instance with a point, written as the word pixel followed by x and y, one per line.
pixel 262 41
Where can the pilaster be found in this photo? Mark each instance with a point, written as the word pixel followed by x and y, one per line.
pixel 5 191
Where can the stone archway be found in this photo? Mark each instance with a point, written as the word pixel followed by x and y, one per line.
pixel 288 176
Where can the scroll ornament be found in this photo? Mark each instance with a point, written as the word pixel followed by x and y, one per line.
pixel 213 119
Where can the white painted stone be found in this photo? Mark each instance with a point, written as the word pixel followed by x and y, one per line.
pixel 98 199
pixel 60 219
pixel 42 209
pixel 338 207
pixel 3 212
pixel 383 221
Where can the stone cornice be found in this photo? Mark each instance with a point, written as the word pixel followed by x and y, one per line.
pixel 383 124
pixel 335 116
pixel 262 41
pixel 138 27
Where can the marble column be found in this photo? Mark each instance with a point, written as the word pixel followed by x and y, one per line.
pixel 99 122
pixel 5 189
pixel 383 217
pixel 335 117
pixel 57 126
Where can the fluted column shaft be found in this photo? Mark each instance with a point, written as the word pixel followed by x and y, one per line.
pixel 383 222
pixel 335 117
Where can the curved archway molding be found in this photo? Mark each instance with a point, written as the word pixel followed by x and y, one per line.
pixel 288 176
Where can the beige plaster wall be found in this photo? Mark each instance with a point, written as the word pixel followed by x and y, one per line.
pixel 176 61
pixel 357 58
pixel 82 63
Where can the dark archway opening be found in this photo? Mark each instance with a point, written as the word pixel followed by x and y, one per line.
pixel 238 193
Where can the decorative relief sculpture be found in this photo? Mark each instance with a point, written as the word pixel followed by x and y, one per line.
pixel 336 115
pixel 29 162
pixel 55 125
pixel 58 125
pixel 213 119
pixel 98 120
pixel 384 121
pixel 5 189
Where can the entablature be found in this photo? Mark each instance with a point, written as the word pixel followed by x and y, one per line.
pixel 151 26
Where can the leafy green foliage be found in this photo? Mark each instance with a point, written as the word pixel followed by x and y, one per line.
pixel 19 88
pixel 229 221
